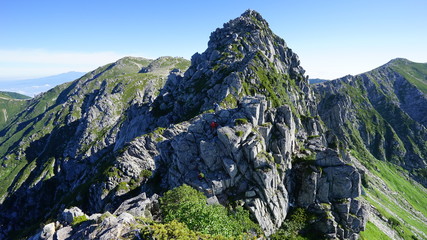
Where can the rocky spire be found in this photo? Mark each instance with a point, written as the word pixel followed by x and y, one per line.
pixel 244 57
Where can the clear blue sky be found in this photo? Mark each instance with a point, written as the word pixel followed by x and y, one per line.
pixel 332 38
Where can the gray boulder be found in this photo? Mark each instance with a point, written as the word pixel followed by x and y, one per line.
pixel 68 215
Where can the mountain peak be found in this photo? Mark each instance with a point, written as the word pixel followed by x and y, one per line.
pixel 244 57
pixel 253 16
pixel 399 60
pixel 250 23
pixel 251 12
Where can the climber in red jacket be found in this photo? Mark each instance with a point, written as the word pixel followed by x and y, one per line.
pixel 213 125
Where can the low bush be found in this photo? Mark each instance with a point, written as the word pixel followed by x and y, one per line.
pixel 187 205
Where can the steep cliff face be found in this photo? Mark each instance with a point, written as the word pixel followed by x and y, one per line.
pixel 240 125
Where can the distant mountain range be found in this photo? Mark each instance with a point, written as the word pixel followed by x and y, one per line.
pixel 32 87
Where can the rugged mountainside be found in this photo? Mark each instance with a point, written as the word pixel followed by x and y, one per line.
pixel 381 115
pixel 240 123
pixel 55 145
pixel 384 111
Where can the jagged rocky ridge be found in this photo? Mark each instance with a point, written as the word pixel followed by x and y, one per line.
pixel 269 152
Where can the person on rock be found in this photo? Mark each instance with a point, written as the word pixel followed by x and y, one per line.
pixel 214 125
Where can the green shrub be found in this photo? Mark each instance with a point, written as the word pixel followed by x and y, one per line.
pixel 187 205
pixel 123 186
pixel 146 173
pixel 172 230
pixel 239 133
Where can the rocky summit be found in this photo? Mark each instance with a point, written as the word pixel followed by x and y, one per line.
pixel 240 128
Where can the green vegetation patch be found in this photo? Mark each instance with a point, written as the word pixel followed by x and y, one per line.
pixel 270 83
pixel 239 133
pixel 240 121
pixel 415 73
pixel 229 101
pixel 406 195
pixel 171 230
pixel 187 205
pixel 79 220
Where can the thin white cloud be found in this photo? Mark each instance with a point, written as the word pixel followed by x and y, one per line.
pixel 23 63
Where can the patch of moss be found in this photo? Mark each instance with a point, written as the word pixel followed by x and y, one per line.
pixel 229 101
pixel 240 121
pixel 79 220
pixel 105 216
pixel 265 155
pixel 239 133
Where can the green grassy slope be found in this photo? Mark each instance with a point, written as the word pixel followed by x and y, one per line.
pixel 416 73
pixel 398 199
pixel 9 108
